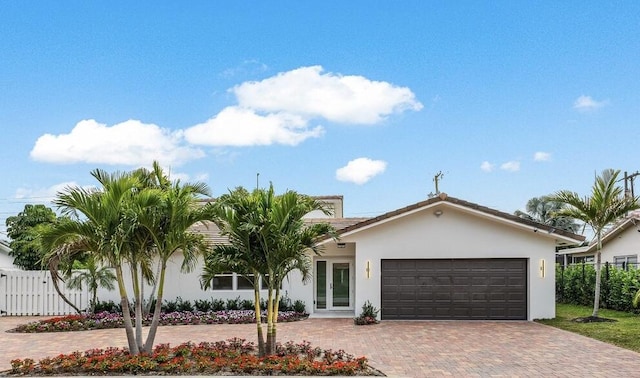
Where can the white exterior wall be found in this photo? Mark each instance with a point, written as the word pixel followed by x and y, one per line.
pixel 178 284
pixel 454 234
pixel 6 261
pixel 624 244
pixel 627 243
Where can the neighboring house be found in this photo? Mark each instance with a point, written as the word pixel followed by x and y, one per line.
pixel 6 260
pixel 442 258
pixel 620 245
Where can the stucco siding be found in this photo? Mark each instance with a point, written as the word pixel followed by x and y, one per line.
pixel 454 234
pixel 627 243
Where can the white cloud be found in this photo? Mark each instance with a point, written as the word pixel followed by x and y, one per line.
pixel 486 166
pixel 541 156
pixel 361 170
pixel 308 92
pixel 235 126
pixel 129 143
pixel 46 195
pixel 586 103
pixel 511 166
pixel 247 67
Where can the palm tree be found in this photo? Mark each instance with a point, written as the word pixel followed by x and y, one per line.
pixel 168 225
pixel 268 239
pixel 94 276
pixel 234 214
pixel 101 223
pixel 606 205
pixel 287 242
pixel 544 210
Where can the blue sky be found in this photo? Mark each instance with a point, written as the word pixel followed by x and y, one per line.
pixel 369 100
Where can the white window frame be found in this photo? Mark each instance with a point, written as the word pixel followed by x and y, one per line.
pixel 234 282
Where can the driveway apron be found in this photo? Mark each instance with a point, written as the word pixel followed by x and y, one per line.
pixel 397 348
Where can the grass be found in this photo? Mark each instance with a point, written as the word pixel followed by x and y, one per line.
pixel 625 332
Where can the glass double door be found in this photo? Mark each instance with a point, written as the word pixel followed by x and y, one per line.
pixel 333 284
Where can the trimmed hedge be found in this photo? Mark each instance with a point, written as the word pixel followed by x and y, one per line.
pixel 575 284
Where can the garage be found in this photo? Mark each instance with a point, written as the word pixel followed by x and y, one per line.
pixel 461 289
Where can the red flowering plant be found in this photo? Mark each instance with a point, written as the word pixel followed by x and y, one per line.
pixel 234 356
pixel 369 315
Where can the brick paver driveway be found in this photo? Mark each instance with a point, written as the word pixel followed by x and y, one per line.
pixel 399 349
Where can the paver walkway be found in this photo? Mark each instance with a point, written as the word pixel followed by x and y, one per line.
pixel 398 348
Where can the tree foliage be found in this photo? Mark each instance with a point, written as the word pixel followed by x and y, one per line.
pixel 23 230
pixel 268 240
pixel 606 204
pixel 132 220
pixel 545 210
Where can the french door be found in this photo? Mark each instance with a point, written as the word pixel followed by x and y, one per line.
pixel 334 284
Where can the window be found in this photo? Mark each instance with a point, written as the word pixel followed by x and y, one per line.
pixel 235 281
pixel 243 283
pixel 582 259
pixel 223 281
pixel 625 261
pixel 231 281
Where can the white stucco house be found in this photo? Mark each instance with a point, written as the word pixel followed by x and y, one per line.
pixel 442 258
pixel 620 245
pixel 6 261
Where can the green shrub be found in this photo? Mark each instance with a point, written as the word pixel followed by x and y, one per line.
pixel 285 304
pixel 368 315
pixel 246 304
pixel 217 304
pixel 170 306
pixel 110 306
pixel 184 306
pixel 233 304
pixel 299 306
pixel 575 284
pixel 202 305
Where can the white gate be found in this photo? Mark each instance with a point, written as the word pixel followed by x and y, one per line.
pixel 33 293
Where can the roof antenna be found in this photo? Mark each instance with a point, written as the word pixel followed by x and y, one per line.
pixel 436 179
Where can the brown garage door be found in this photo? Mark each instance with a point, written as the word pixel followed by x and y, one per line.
pixel 454 289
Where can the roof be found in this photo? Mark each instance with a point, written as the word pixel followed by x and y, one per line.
pixel 212 234
pixel 563 237
pixel 632 220
pixel 345 226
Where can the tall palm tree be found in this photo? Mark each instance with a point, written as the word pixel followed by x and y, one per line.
pixel 286 242
pixel 103 224
pixel 168 225
pixel 606 205
pixel 544 210
pixel 234 214
pixel 268 239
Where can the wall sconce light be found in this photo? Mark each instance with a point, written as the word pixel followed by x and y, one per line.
pixel 437 213
pixel 368 269
pixel 542 268
pixel 342 245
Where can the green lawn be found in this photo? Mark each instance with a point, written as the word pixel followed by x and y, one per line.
pixel 624 333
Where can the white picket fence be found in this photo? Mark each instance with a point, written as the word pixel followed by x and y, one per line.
pixel 32 293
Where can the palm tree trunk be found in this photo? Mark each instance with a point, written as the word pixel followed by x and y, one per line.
pixel 256 298
pixel 53 271
pixel 126 314
pixel 596 297
pixel 274 320
pixel 137 303
pixel 270 307
pixel 153 328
